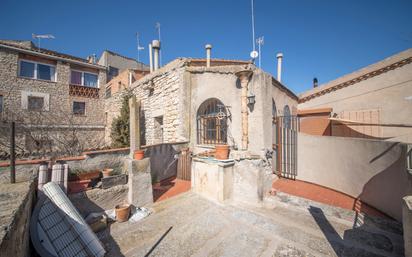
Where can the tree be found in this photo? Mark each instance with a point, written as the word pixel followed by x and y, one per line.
pixel 120 133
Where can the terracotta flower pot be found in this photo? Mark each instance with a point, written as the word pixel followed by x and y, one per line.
pixel 107 172
pixel 138 155
pixel 78 186
pixel 222 152
pixel 122 212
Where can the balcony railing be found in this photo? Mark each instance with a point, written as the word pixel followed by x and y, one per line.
pixel 83 91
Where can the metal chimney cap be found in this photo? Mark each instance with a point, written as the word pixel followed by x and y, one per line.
pixel 208 46
pixel 279 55
pixel 156 44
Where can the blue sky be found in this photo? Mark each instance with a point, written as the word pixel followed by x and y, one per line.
pixel 322 38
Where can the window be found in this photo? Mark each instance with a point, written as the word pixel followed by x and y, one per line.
pixel 212 122
pixel 286 115
pixel 35 103
pixel 158 129
pixel 83 78
pixel 34 70
pixel 79 108
pixel 1 103
pixel 113 72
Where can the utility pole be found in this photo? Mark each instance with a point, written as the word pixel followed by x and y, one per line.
pixel 260 41
pixel 12 153
pixel 139 47
pixel 158 32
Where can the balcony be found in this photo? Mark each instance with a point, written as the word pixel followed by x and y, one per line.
pixel 83 91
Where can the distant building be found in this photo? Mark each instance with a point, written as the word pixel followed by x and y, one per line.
pixel 56 99
pixel 374 102
pixel 123 81
pixel 117 64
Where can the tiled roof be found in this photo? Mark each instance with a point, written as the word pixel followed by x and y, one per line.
pixel 48 52
pixel 390 63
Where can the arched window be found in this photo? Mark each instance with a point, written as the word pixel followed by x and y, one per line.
pixel 212 122
pixel 286 116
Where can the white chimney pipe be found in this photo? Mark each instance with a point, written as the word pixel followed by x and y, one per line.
pixel 150 58
pixel 279 56
pixel 208 49
pixel 156 48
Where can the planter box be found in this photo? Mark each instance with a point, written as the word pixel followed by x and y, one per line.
pixel 85 176
pixel 115 180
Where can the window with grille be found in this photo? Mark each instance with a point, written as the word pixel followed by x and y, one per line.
pixel 212 123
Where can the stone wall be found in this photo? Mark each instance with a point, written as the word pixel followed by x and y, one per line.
pixel 57 117
pixel 16 204
pixel 160 95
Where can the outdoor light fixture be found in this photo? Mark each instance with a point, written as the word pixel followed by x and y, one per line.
pixel 251 100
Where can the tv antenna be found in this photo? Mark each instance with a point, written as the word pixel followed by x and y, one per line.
pixel 260 42
pixel 38 37
pixel 157 26
pixel 254 53
pixel 139 47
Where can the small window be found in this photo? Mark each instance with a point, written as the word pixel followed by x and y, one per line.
pixel 34 70
pixel 27 69
pixel 76 78
pixel 35 103
pixel 90 80
pixel 113 72
pixel 79 108
pixel 83 79
pixel 158 129
pixel 108 91
pixel 1 103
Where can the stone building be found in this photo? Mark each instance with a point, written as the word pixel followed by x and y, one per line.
pixel 56 99
pixel 186 101
pixel 374 102
pixel 123 81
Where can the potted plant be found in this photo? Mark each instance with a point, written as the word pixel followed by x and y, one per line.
pixel 107 172
pixel 138 154
pixel 222 152
pixel 122 212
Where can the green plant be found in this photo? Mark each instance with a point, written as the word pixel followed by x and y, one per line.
pixel 120 132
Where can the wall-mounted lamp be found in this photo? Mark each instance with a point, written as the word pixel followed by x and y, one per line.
pixel 251 100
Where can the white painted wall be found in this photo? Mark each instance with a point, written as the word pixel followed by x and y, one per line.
pixel 373 170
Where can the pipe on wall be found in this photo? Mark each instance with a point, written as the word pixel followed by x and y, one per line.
pixel 244 77
pixel 156 49
pixel 150 58
pixel 208 48
pixel 279 56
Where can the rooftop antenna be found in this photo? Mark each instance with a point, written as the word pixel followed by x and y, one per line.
pixel 160 51
pixel 139 47
pixel 38 37
pixel 260 41
pixel 253 54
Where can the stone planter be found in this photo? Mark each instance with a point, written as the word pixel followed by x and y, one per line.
pixel 122 212
pixel 138 155
pixel 222 152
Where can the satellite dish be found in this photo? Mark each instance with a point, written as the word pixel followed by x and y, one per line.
pixel 254 54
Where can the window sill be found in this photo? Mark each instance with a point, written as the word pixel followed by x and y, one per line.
pixel 41 80
pixel 71 84
pixel 79 115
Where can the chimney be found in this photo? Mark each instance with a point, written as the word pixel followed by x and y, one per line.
pixel 150 58
pixel 315 82
pixel 279 56
pixel 156 49
pixel 208 48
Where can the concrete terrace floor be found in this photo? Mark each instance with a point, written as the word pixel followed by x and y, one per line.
pixel 189 225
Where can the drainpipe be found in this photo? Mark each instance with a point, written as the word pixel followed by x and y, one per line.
pixel 208 49
pixel 150 58
pixel 279 56
pixel 244 77
pixel 156 48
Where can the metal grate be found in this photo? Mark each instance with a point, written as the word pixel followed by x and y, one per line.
pixel 287 135
pixel 212 123
pixel 184 164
